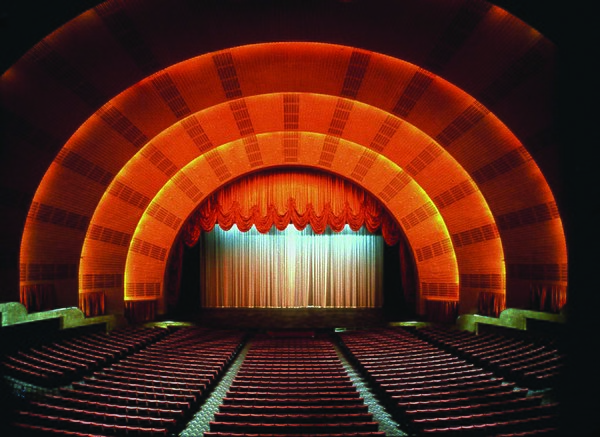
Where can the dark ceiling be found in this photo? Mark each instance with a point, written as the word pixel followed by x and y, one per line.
pixel 25 22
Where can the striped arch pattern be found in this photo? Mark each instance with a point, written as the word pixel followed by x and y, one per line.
pixel 474 205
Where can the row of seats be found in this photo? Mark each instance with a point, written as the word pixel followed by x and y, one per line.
pixel 152 392
pixel 293 386
pixel 63 361
pixel 283 402
pixel 431 391
pixel 289 386
pixel 530 364
pixel 294 432
pixel 31 423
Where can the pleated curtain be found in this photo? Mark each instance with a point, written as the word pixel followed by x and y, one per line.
pixel 291 269
pixel 251 257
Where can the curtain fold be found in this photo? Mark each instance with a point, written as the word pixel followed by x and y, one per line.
pixel 441 311
pixel 298 198
pixel 38 297
pixel 92 303
pixel 490 303
pixel 137 311
pixel 548 297
pixel 291 268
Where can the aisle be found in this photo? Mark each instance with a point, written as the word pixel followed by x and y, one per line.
pixel 386 423
pixel 200 423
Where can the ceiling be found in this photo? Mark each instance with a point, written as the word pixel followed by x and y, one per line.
pixel 108 114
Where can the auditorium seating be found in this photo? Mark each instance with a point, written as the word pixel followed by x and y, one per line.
pixel 151 382
pixel 292 386
pixel 432 391
pixel 530 364
pixel 151 392
pixel 63 361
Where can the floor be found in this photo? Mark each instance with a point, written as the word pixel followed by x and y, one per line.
pixel 201 420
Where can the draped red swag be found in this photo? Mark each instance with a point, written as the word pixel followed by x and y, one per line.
pixel 298 198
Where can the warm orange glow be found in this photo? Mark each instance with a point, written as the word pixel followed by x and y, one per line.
pixel 175 162
pixel 280 199
pixel 140 269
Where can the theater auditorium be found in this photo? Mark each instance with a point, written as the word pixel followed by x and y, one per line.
pixel 340 218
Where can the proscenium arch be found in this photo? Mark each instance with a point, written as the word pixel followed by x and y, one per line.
pixel 407 142
pixel 143 269
pixel 440 105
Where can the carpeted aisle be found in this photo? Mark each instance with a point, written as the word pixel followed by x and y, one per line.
pixel 200 423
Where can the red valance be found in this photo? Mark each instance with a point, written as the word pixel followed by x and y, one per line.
pixel 491 304
pixel 297 198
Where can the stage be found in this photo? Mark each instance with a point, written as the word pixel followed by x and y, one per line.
pixel 293 318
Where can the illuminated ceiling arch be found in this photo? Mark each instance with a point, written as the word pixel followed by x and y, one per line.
pixel 175 146
pixel 476 136
pixel 145 269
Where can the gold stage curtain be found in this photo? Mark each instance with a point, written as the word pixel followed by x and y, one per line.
pixel 301 198
pixel 292 268
pixel 38 297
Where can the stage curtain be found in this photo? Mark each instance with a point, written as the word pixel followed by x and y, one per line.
pixel 137 311
pixel 490 303
pixel 441 311
pixel 300 198
pixel 292 268
pixel 548 297
pixel 92 303
pixel 38 297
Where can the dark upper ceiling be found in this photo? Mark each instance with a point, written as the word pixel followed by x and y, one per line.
pixel 25 22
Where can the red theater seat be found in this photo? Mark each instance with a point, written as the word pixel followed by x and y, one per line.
pixel 293 409
pixel 475 408
pixel 335 434
pixel 293 428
